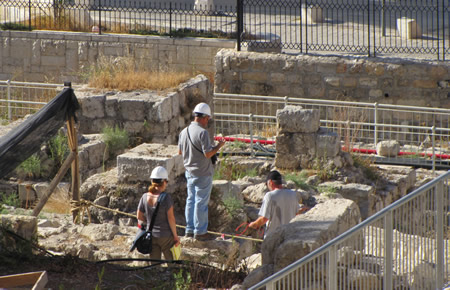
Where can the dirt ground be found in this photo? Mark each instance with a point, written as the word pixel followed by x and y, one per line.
pixel 67 272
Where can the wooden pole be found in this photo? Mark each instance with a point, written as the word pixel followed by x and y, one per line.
pixel 56 180
pixel 73 143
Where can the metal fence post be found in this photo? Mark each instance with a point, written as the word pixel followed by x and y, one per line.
pixel 286 100
pixel 99 16
pixel 170 19
pixel 440 235
pixel 433 134
pixel 375 120
pixel 388 256
pixel 29 15
pixel 239 23
pixel 8 93
pixel 250 118
pixel 332 269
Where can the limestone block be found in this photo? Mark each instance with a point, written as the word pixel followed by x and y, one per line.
pixel 99 232
pixel 92 106
pixel 111 106
pixel 31 192
pixel 328 144
pixel 255 193
pixel 24 226
pixel 132 108
pixel 175 101
pixel 408 28
pixel 133 127
pixel 388 148
pixel 295 119
pixel 163 109
pixel 95 148
pixel 356 277
pixel 56 61
pixel 258 275
pixel 137 164
pixel 313 14
pixel 204 5
pixel 268 42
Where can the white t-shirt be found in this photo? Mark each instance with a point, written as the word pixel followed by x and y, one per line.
pixel 279 206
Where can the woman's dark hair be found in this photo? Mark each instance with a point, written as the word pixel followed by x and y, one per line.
pixel 155 184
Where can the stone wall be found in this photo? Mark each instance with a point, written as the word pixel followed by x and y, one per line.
pixel 39 56
pixel 388 81
pixel 152 116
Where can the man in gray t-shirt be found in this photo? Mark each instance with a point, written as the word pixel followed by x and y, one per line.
pixel 197 149
pixel 279 206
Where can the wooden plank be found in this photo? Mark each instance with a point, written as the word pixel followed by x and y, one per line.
pixel 41 282
pixel 38 279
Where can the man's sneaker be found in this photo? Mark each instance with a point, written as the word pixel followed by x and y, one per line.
pixel 189 235
pixel 205 237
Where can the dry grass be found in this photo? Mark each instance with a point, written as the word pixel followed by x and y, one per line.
pixel 122 73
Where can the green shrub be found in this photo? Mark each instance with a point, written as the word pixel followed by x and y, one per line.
pixel 10 200
pixel 13 26
pixel 299 178
pixel 365 163
pixel 227 169
pixel 115 139
pixel 59 148
pixel 232 205
pixel 31 167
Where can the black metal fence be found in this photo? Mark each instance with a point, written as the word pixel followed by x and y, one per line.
pixel 412 28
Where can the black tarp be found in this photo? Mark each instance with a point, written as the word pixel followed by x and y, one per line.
pixel 24 140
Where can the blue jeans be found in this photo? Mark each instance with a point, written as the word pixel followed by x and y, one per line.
pixel 199 192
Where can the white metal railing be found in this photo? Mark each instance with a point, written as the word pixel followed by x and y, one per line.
pixel 18 99
pixel 422 132
pixel 404 246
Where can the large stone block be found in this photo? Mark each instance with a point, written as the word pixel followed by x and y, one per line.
pixel 328 144
pixel 132 108
pixel 137 164
pixel 388 148
pixel 92 106
pixel 313 14
pixel 408 28
pixel 295 119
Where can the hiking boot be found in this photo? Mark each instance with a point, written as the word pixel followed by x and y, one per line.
pixel 205 237
pixel 189 235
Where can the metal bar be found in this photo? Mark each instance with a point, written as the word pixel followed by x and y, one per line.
pixel 332 268
pixel 388 255
pixel 9 98
pixel 440 233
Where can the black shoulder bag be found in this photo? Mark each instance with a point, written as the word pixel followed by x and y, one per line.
pixel 213 158
pixel 143 240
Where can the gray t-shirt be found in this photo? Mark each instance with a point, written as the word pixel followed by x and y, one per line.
pixel 195 161
pixel 161 228
pixel 279 206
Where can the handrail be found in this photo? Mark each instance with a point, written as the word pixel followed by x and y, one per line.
pixel 356 228
pixel 333 102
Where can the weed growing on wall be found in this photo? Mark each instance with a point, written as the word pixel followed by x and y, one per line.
pixel 227 169
pixel 59 148
pixel 30 168
pixel 232 205
pixel 10 200
pixel 365 163
pixel 299 178
pixel 115 139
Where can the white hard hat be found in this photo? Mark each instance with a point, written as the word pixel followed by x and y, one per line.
pixel 203 108
pixel 159 173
